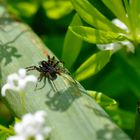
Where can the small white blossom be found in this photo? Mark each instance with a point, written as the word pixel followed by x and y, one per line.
pixel 120 24
pixel 31 126
pixel 118 45
pixel 112 46
pixel 18 82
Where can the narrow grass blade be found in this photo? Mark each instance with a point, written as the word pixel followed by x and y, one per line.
pixel 102 99
pixel 96 36
pixel 118 9
pixel 72 50
pixel 92 16
pixel 92 65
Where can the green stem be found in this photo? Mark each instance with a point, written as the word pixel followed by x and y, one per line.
pixel 22 96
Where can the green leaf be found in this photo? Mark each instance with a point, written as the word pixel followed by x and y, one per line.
pixel 92 65
pixel 135 12
pixel 7 131
pixel 68 112
pixel 119 117
pixel 72 44
pixel 95 36
pixel 117 7
pixel 102 99
pixel 57 9
pixel 3 136
pixel 110 105
pixel 92 16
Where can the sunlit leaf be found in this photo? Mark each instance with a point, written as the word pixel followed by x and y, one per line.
pixel 92 16
pixel 57 9
pixel 3 136
pixel 135 18
pixel 5 132
pixel 117 7
pixel 96 36
pixel 101 98
pixel 92 65
pixel 71 50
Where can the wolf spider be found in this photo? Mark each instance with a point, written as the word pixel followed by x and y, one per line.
pixel 49 69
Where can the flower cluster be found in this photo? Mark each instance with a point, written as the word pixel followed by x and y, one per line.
pixel 18 82
pixel 32 126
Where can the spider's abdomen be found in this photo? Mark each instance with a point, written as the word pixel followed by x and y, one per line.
pixel 50 72
pixel 53 76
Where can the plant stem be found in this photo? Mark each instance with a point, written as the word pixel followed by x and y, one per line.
pixel 22 96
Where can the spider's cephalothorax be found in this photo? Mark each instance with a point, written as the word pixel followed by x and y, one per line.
pixel 49 69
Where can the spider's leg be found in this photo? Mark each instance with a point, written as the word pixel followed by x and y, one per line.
pixel 49 59
pixel 52 85
pixel 51 82
pixel 39 79
pixel 52 60
pixel 44 83
pixel 58 71
pixel 32 68
pixel 55 64
pixel 71 79
pixel 62 70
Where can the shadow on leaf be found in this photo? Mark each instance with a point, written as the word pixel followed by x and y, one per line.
pixel 110 133
pixel 7 50
pixel 61 100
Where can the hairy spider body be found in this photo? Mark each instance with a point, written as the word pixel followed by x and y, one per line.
pixel 49 69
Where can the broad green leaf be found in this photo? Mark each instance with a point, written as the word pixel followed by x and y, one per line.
pixel 70 113
pixel 57 9
pixel 102 99
pixel 96 36
pixel 117 7
pixel 72 44
pixel 92 65
pixel 92 16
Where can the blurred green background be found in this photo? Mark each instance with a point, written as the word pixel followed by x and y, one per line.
pixel 119 79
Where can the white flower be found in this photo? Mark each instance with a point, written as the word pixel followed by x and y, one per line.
pixel 31 126
pixel 17 82
pixel 120 24
pixel 118 45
